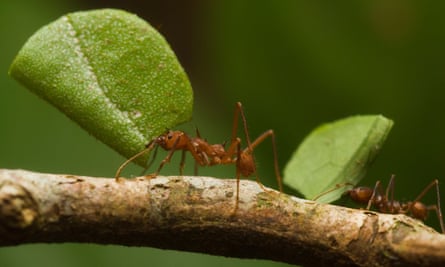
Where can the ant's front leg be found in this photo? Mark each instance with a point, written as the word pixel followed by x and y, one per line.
pixel 166 159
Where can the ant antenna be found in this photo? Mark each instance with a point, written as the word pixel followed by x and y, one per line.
pixel 148 148
pixel 155 152
pixel 337 186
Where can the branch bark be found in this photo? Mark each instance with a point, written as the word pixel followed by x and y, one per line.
pixel 197 214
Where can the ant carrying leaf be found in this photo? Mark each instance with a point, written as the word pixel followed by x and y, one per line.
pixel 206 154
pixel 385 203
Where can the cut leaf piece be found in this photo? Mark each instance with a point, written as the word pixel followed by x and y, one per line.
pixel 112 73
pixel 336 153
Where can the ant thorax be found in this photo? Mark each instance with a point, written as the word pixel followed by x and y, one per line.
pixel 172 140
pixel 210 154
pixel 391 207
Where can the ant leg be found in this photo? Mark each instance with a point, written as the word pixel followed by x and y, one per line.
pixel 435 207
pixel 439 216
pixel 258 141
pixel 198 134
pixel 238 174
pixel 182 164
pixel 239 109
pixel 438 208
pixel 189 148
pixel 155 152
pixel 388 188
pixel 251 146
pixel 233 147
pixel 121 168
pixel 196 168
pixel 232 150
pixel 371 199
pixel 167 158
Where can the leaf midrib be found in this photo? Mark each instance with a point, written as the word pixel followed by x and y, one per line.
pixel 77 44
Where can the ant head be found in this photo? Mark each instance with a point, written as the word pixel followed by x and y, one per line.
pixel 169 139
pixel 360 194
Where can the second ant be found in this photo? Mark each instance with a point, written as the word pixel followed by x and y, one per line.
pixel 206 154
pixel 385 203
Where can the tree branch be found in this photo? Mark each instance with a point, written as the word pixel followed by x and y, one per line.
pixel 197 214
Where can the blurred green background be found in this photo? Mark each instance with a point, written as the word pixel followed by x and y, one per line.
pixel 293 65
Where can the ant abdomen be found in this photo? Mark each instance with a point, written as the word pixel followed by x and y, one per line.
pixel 246 160
pixel 419 210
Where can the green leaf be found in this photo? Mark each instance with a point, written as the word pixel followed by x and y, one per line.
pixel 109 71
pixel 336 153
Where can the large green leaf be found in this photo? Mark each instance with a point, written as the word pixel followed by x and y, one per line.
pixel 336 153
pixel 109 71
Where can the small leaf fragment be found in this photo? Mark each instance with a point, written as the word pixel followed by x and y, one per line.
pixel 336 153
pixel 109 71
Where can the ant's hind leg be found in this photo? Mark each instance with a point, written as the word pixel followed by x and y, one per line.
pixel 436 207
pixel 251 145
pixel 258 141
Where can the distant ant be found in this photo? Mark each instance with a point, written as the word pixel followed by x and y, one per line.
pixel 385 203
pixel 206 154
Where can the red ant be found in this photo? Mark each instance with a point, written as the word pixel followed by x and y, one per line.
pixel 386 204
pixel 206 154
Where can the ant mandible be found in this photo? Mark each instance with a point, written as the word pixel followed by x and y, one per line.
pixel 385 203
pixel 206 154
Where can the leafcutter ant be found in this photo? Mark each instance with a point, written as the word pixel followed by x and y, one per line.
pixel 206 154
pixel 385 203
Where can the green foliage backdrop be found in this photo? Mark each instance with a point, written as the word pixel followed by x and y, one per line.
pixel 293 65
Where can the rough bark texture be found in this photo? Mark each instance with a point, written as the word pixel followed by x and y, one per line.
pixel 197 214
